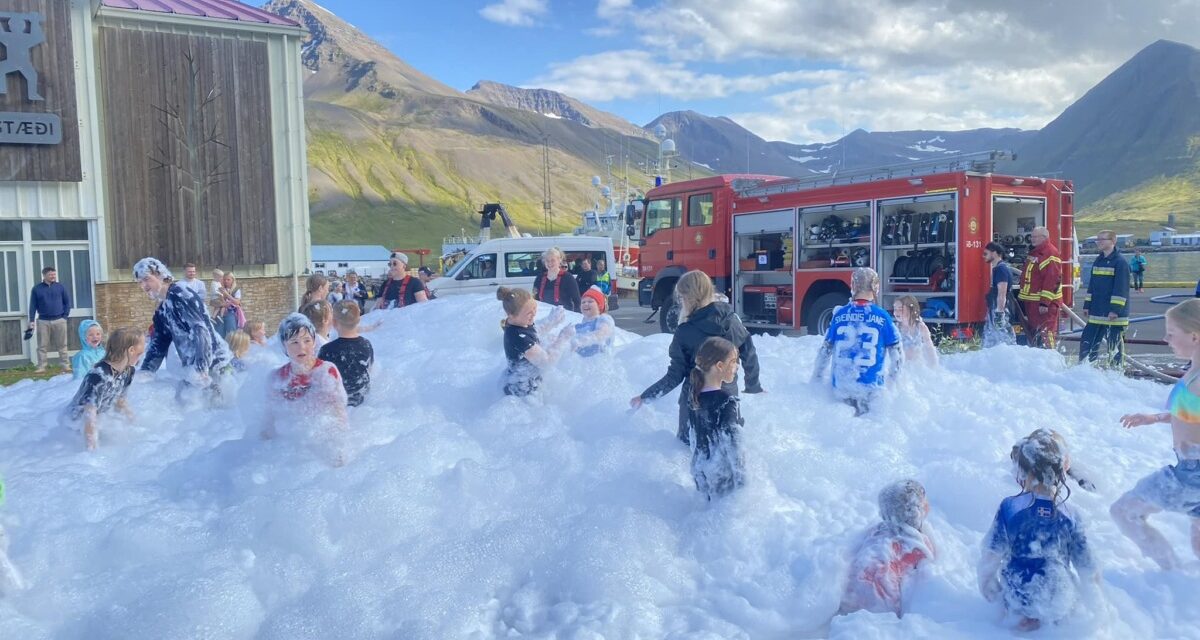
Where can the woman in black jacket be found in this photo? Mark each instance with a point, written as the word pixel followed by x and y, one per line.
pixel 555 285
pixel 704 318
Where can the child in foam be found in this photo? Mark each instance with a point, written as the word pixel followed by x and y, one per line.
pixel 887 559
pixel 714 421
pixel 307 390
pixel 180 319
pixel 10 578
pixel 351 353
pixel 258 332
pixel 914 333
pixel 1036 539
pixel 320 314
pixel 526 357
pixel 860 339
pixel 104 386
pixel 1174 487
pixel 239 344
pixel 701 317
pixel 91 336
pixel 595 333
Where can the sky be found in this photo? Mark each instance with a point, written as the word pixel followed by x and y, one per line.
pixel 801 71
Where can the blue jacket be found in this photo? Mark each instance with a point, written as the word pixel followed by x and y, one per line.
pixel 49 301
pixel 1108 291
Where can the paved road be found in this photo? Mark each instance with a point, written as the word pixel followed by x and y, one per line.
pixel 631 318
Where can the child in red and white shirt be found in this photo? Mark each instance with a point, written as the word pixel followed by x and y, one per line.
pixel 307 391
pixel 889 555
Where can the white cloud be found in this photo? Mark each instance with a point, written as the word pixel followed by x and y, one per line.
pixel 891 64
pixel 515 13
pixel 629 73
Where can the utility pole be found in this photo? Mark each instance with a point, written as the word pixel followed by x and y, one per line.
pixel 546 199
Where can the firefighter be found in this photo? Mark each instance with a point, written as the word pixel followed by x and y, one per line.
pixel 1041 290
pixel 1106 306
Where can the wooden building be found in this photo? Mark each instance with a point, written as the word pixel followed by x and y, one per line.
pixel 172 128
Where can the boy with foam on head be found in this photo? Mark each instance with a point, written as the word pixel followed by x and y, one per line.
pixel 351 353
pixel 888 557
pixel 860 338
pixel 307 390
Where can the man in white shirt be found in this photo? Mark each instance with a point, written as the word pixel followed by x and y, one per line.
pixel 190 281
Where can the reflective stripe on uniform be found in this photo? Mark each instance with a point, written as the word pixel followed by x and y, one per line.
pixel 1043 263
pixel 1118 300
pixel 1119 322
pixel 1104 271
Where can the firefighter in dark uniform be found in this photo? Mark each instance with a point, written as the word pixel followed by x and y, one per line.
pixel 1106 306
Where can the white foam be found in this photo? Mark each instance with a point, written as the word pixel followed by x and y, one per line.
pixel 466 514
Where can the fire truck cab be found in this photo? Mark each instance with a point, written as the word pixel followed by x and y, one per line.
pixel 782 249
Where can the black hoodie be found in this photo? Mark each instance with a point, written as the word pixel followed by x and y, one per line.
pixel 716 319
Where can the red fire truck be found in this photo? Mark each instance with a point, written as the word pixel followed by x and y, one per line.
pixel 782 249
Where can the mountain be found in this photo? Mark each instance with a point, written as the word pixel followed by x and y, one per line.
pixel 398 158
pixel 551 104
pixel 727 147
pixel 1135 126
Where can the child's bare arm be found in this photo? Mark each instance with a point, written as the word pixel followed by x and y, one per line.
pixel 1132 420
pixel 91 433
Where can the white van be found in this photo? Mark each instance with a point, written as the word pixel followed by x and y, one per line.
pixel 513 262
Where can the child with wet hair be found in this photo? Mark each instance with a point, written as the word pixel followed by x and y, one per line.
pixel 351 353
pixel 307 391
pixel 1036 539
pixel 714 421
pixel 320 314
pixel 239 344
pixel 526 356
pixel 888 557
pixel 104 386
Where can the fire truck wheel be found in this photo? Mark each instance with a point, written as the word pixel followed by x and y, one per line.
pixel 820 313
pixel 668 315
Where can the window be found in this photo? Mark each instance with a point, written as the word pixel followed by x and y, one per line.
pixel 482 266
pixel 518 265
pixel 74 272
pixel 662 214
pixel 700 210
pixel 10 296
pixel 58 230
pixel 10 231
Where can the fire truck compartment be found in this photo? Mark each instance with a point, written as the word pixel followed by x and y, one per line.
pixel 762 267
pixel 835 236
pixel 1013 220
pixel 918 252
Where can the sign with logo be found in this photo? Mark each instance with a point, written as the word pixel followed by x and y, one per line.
pixel 39 127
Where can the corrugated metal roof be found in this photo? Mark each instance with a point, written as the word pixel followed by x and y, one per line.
pixel 349 252
pixel 211 9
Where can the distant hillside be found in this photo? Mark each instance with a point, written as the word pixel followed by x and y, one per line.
pixel 727 147
pixel 552 104
pixel 396 157
pixel 1133 127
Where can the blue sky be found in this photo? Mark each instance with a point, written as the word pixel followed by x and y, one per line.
pixel 803 71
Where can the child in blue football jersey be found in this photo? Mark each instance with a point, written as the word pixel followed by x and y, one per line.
pixel 1036 538
pixel 860 339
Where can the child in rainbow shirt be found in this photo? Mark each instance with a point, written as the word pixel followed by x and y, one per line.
pixel 1174 487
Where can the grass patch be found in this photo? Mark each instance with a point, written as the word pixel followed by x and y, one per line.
pixel 17 374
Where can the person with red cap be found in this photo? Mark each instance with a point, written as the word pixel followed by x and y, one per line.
pixel 595 334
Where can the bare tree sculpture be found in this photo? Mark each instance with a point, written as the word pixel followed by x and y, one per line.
pixel 193 152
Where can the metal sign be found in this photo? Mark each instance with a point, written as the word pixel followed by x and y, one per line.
pixel 19 127
pixel 20 33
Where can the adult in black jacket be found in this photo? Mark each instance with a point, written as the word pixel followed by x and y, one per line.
pixel 709 318
pixel 586 277
pixel 555 286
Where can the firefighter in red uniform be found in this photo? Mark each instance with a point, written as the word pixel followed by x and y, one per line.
pixel 1041 290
